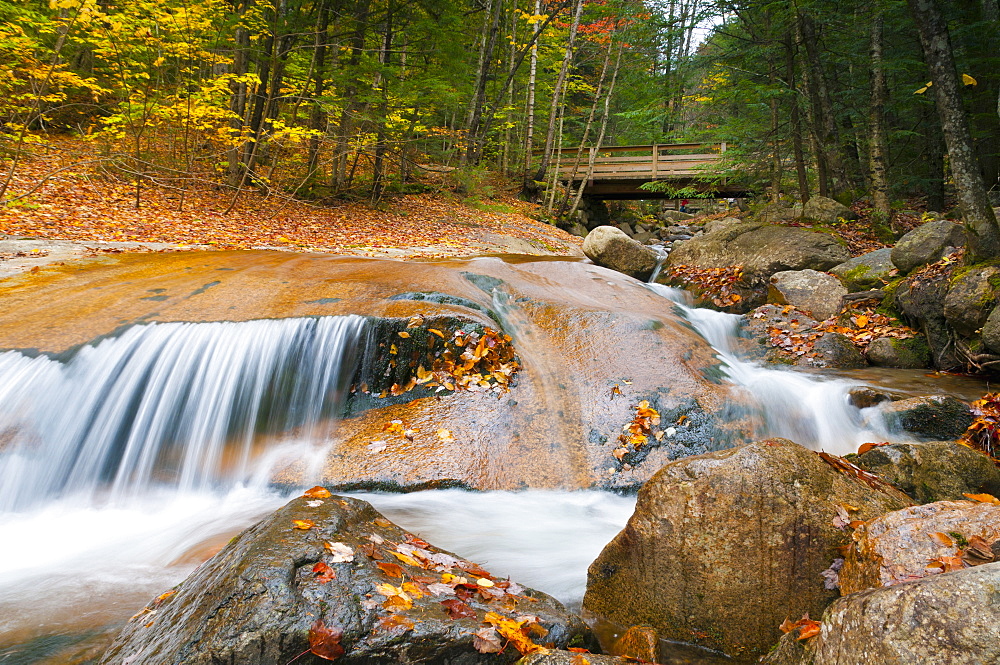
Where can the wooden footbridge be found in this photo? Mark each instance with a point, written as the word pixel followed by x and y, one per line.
pixel 619 171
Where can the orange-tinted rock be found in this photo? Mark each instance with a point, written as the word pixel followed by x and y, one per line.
pixel 917 542
pixel 579 332
pixel 638 642
pixel 723 547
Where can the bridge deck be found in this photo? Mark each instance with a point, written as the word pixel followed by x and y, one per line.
pixel 620 170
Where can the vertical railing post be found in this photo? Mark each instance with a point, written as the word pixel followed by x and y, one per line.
pixel 656 159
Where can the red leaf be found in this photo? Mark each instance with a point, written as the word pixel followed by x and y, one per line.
pixel 325 642
pixel 457 609
pixel 324 573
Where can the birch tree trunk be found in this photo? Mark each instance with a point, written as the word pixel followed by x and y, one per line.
pixel 878 148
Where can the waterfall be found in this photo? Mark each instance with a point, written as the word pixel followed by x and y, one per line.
pixel 811 410
pixel 165 404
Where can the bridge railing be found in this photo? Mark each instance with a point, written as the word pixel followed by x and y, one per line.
pixel 639 162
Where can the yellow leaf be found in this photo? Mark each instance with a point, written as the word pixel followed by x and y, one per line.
pixel 984 498
pixel 410 561
pixel 403 334
pixel 968 80
pixel 437 332
pixel 862 321
pixel 305 525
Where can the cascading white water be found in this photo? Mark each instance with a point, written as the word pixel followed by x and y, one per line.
pixel 176 404
pixel 810 410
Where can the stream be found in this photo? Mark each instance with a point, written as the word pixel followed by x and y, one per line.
pixel 127 462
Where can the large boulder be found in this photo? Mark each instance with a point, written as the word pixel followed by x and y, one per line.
pixel 811 291
pixel 723 547
pixel 674 216
pixel 971 297
pixel 906 353
pixel 761 249
pixel 865 272
pixel 915 542
pixel 949 619
pixel 933 471
pixel 834 351
pixel 921 302
pixel 826 210
pixel 926 243
pixel 328 563
pixel 931 417
pixel 612 248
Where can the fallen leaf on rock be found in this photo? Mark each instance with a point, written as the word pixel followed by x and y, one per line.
pixel 317 492
pixel 445 436
pixel 324 573
pixel 314 504
pixel 865 447
pixel 396 624
pixel 807 627
pixel 486 640
pixel 457 609
pixel 439 589
pixel 376 446
pixel 340 552
pixel 983 498
pixel 942 538
pixel 383 522
pixel 403 334
pixel 325 641
pixel 516 631
pixel 305 525
pixel 391 569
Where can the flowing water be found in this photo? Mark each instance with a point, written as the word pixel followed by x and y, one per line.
pixel 125 463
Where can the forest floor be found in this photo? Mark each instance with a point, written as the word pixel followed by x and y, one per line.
pixel 69 201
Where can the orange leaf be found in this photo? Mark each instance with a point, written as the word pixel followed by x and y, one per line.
pixel 942 538
pixel 317 492
pixel 324 573
pixel 403 334
pixel 457 609
pixel 983 498
pixel 391 569
pixel 861 321
pixel 305 525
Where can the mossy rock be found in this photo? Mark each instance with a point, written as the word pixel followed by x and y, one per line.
pixel 912 353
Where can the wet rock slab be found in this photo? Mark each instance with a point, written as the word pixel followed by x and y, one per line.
pixel 933 471
pixel 334 566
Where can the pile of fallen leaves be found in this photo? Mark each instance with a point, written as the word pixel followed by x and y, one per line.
pixel 972 551
pixel 458 360
pixel 984 432
pixel 636 433
pixel 715 284
pixel 75 203
pixel 938 270
pixel 415 569
pixel 861 325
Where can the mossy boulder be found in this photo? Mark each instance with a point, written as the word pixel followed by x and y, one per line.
pixel 932 417
pixel 910 353
pixel 926 243
pixel 933 471
pixel 972 295
pixel 865 272
pixel 826 210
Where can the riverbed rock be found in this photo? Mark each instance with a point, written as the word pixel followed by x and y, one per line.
pixel 775 213
pixel 723 547
pixel 991 331
pixel 834 351
pixel 826 210
pixel 971 297
pixel 921 302
pixel 909 353
pixel 674 216
pixel 256 601
pixel 865 272
pixel 931 417
pixel 761 249
pixel 920 541
pixel 926 244
pixel 811 291
pixel 716 224
pixel 612 248
pixel 948 619
pixel 933 471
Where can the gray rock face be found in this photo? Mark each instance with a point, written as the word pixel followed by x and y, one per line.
pixel 835 351
pixel 610 247
pixel 775 213
pixel 898 546
pixel 826 210
pixel 716 224
pixel 922 304
pixel 971 298
pixel 761 249
pixel 947 619
pixel 991 331
pixel 675 216
pixel 926 244
pixel 811 291
pixel 933 471
pixel 256 601
pixel 910 353
pixel 723 547
pixel 935 417
pixel 868 271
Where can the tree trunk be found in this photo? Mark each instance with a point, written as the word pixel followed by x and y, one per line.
pixel 530 110
pixel 489 43
pixel 796 118
pixel 557 92
pixel 878 149
pixel 980 221
pixel 317 119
